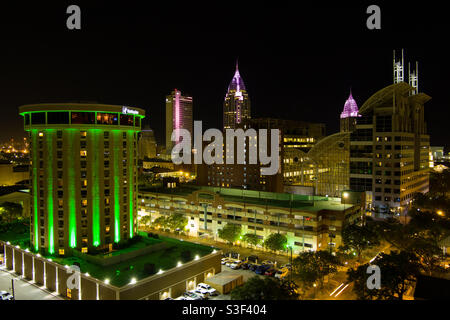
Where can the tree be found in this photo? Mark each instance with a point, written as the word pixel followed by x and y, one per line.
pixel 359 238
pixel 10 211
pixel 312 267
pixel 267 288
pixel 177 221
pixel 145 220
pixel 398 271
pixel 276 242
pixel 251 239
pixel 161 222
pixel 230 232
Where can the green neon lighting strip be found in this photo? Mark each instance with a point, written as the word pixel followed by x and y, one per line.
pixel 49 134
pixel 34 151
pixel 95 134
pixel 71 189
pixel 130 179
pixel 116 144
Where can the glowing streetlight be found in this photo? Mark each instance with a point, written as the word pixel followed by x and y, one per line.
pixel 133 281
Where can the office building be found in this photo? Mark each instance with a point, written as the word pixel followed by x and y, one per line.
pixel 178 116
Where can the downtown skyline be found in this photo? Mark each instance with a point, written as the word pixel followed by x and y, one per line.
pixel 290 70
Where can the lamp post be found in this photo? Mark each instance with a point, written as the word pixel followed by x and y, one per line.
pixel 344 196
pixel 290 261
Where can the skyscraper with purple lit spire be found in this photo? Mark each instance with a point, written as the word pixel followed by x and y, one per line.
pixel 349 114
pixel 236 107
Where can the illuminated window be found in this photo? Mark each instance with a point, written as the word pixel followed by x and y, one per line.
pixel 84 202
pixel 61 252
pixel 84 183
pixel 84 250
pixel 69 293
pixel 83 133
pixel 41 134
pixel 83 153
pixel 107 229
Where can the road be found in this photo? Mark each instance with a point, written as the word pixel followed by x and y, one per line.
pixel 23 289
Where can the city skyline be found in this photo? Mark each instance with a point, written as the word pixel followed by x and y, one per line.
pixel 289 69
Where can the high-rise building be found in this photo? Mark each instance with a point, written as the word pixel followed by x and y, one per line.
pixel 83 175
pixel 178 116
pixel 236 107
pixel 389 148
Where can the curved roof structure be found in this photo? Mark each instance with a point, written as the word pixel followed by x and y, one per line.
pixel 350 108
pixel 384 95
pixel 327 142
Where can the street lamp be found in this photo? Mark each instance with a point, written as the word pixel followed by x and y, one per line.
pixel 345 196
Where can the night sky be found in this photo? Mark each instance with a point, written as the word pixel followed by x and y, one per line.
pixel 297 61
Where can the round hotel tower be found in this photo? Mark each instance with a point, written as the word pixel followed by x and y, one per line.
pixel 83 175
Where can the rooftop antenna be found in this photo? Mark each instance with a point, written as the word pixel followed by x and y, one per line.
pixel 398 69
pixel 414 79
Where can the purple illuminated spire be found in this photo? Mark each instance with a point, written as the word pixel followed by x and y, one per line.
pixel 236 83
pixel 350 108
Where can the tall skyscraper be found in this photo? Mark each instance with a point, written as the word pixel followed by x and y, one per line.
pixel 83 174
pixel 179 115
pixel 349 114
pixel 236 108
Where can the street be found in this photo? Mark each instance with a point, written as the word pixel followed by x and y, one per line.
pixel 23 290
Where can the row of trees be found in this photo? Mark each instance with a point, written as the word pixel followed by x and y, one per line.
pixel 173 222
pixel 233 232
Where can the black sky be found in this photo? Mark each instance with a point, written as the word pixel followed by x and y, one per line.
pixel 298 61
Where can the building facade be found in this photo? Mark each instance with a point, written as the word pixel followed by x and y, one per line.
pixel 309 223
pixel 389 148
pixel 236 107
pixel 147 144
pixel 179 110
pixel 83 174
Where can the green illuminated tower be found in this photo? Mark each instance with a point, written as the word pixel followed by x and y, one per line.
pixel 83 174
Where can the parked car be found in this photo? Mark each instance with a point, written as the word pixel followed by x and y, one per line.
pixel 270 272
pixel 287 265
pixel 181 298
pixel 232 261
pixel 268 262
pixel 262 269
pixel 202 293
pixel 252 258
pixel 225 260
pixel 282 273
pixel 192 296
pixel 245 266
pixel 5 295
pixel 236 265
pixel 253 267
pixel 211 290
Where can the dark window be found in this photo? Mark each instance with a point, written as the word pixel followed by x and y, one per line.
pixel 137 121
pixel 83 117
pixel 126 120
pixel 58 117
pixel 38 118
pixel 384 124
pixel 27 119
